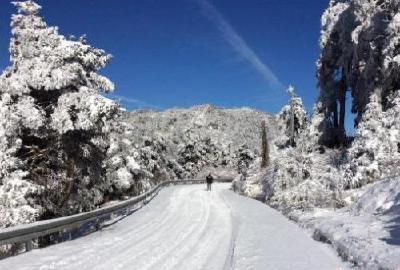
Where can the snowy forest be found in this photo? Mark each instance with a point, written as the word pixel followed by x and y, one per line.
pixel 66 148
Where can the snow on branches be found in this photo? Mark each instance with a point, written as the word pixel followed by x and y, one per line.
pixel 359 42
pixel 359 55
pixel 54 122
pixel 291 119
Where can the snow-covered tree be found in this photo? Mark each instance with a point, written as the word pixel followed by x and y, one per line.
pixel 134 166
pixel 53 129
pixel 334 66
pixel 264 146
pixel 360 53
pixel 292 120
pixel 375 152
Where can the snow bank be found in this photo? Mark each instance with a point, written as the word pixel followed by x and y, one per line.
pixel 366 233
pixel 382 198
pixel 309 181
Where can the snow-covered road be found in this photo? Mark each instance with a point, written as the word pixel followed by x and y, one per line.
pixel 186 227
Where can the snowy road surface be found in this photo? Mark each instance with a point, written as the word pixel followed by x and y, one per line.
pixel 185 227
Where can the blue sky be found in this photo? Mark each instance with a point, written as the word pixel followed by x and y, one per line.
pixel 179 53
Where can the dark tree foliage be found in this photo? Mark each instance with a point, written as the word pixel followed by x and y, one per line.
pixel 265 146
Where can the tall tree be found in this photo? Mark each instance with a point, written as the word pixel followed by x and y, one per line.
pixel 334 65
pixel 360 54
pixel 292 119
pixel 55 120
pixel 265 146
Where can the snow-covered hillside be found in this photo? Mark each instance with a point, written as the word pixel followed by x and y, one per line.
pixel 149 146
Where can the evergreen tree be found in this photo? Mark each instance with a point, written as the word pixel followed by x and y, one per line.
pixel 265 146
pixel 360 53
pixel 334 66
pixel 292 120
pixel 54 126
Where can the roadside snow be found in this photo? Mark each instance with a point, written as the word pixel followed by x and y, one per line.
pixel 265 239
pixel 368 232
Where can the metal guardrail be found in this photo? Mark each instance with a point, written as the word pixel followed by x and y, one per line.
pixel 28 233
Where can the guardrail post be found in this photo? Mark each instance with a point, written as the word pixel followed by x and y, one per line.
pixel 97 225
pixel 28 245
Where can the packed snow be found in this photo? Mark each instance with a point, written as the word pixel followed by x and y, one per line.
pixel 186 227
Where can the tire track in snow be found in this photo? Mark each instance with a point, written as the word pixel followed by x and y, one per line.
pixel 230 258
pixel 178 236
pixel 179 252
pixel 206 254
pixel 141 250
pixel 108 243
pixel 99 245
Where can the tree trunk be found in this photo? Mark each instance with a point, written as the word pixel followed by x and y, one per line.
pixel 265 146
pixel 341 129
pixel 335 114
pixel 291 122
pixel 70 183
pixel 342 113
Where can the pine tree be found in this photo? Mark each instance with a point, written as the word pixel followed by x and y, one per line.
pixel 55 121
pixel 265 146
pixel 292 120
pixel 334 66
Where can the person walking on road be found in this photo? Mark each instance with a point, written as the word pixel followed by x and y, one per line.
pixel 209 181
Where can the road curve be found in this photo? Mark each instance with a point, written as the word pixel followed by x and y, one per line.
pixel 186 227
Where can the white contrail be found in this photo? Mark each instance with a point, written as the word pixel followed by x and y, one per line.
pixel 237 43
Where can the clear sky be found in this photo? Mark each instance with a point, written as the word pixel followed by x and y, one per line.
pixel 179 53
